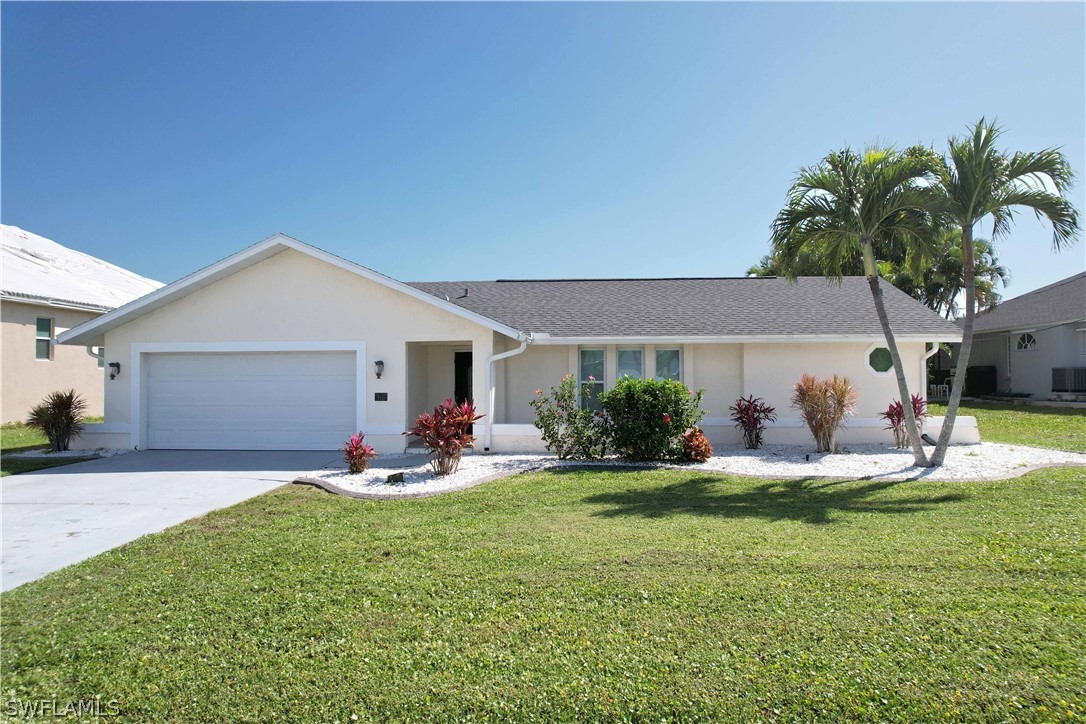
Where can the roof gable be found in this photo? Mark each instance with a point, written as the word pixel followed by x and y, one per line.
pixel 90 332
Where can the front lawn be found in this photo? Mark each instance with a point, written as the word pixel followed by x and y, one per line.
pixel 16 437
pixel 582 595
pixel 1061 428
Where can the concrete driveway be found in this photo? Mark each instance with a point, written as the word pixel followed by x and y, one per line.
pixel 54 518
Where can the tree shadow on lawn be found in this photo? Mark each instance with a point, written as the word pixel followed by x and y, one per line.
pixel 809 500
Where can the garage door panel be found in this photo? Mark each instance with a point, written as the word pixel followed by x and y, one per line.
pixel 250 401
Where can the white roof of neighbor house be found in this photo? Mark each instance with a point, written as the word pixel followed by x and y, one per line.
pixel 37 269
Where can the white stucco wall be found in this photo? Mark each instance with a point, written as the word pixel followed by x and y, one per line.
pixel 294 297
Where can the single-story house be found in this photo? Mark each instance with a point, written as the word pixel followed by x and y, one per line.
pixel 1033 345
pixel 286 346
pixel 46 289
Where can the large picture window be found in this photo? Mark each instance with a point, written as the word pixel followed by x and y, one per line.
pixel 591 378
pixel 668 364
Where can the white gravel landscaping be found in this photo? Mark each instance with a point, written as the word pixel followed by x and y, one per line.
pixel 101 452
pixel 985 461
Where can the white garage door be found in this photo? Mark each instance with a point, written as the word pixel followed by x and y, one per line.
pixel 250 401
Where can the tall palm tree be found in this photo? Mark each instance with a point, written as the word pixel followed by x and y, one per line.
pixel 942 279
pixel 845 207
pixel 977 180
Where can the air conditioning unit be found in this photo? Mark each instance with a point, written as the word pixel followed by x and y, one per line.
pixel 1069 379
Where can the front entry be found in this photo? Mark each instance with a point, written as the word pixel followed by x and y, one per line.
pixel 462 377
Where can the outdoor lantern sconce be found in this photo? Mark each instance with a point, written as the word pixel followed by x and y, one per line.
pixel 378 368
pixel 114 370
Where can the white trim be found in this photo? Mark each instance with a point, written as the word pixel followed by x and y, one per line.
pixel 53 303
pixel 867 360
pixel 739 339
pixel 790 422
pixel 508 429
pixel 246 257
pixel 139 349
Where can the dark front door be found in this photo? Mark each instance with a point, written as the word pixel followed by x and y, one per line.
pixel 462 377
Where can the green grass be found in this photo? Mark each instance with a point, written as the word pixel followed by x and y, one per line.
pixel 603 595
pixel 17 437
pixel 1061 428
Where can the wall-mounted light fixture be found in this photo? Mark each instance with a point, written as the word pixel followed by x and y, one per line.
pixel 114 370
pixel 378 368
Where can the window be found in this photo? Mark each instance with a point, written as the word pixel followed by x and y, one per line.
pixel 43 344
pixel 629 364
pixel 591 378
pixel 1027 341
pixel 879 359
pixel 668 364
pixel 101 357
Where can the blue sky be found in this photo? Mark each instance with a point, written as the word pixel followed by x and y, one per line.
pixel 501 141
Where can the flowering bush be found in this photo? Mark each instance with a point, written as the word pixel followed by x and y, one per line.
pixel 445 434
pixel 824 405
pixel 357 453
pixel 895 419
pixel 647 418
pixel 696 447
pixel 751 414
pixel 567 430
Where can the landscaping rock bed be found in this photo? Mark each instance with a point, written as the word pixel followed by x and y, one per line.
pixel 985 461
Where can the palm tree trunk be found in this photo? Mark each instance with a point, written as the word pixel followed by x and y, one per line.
pixel 963 353
pixel 919 457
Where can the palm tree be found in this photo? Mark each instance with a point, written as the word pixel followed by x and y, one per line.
pixel 847 206
pixel 978 180
pixel 942 279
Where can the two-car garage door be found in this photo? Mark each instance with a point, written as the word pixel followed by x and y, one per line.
pixel 250 400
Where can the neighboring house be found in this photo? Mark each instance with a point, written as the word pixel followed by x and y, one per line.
pixel 45 289
pixel 1035 344
pixel 285 346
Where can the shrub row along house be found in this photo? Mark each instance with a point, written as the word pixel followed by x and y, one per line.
pixel 286 346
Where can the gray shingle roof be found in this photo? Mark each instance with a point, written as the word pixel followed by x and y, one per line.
pixel 715 307
pixel 1063 301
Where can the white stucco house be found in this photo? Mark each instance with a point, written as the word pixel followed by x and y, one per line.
pixel 286 346
pixel 46 289
pixel 1034 345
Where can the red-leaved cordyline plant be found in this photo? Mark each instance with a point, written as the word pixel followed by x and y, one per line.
pixel 696 447
pixel 824 405
pixel 895 419
pixel 445 434
pixel 751 414
pixel 358 453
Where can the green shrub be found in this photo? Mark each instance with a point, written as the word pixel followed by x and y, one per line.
pixel 647 418
pixel 567 430
pixel 59 417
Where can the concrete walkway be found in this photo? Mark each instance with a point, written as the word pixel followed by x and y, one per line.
pixel 60 516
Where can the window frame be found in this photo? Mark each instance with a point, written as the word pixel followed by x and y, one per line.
pixel 656 361
pixel 1026 342
pixel 38 338
pixel 889 372
pixel 598 383
pixel 618 353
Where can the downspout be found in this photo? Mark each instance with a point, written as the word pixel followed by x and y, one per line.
pixel 488 427
pixel 96 355
pixel 924 368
